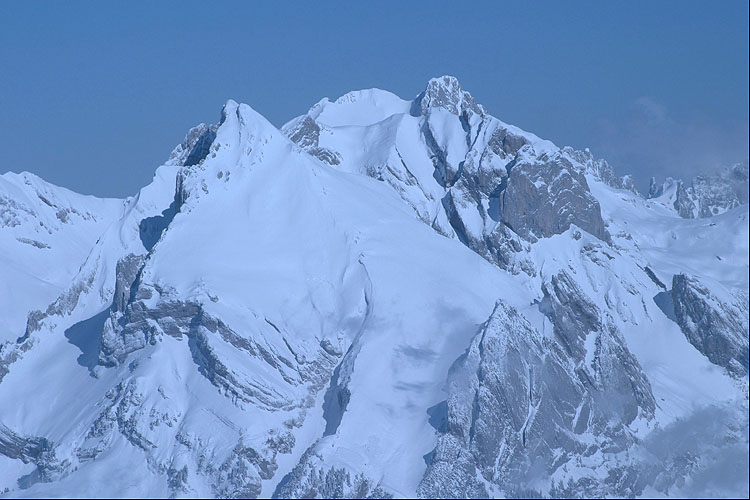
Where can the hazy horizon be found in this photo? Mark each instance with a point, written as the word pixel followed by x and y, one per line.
pixel 94 99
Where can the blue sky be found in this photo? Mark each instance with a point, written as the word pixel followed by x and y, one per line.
pixel 94 96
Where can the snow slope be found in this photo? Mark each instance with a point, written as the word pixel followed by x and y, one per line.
pixel 47 232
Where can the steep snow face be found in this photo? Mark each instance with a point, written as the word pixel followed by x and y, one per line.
pixel 46 232
pixel 386 298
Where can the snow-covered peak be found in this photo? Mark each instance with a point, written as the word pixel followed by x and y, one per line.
pixel 238 116
pixel 243 142
pixel 238 133
pixel 446 92
pixel 358 108
pixel 236 119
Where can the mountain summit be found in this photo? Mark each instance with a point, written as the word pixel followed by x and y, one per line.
pixel 445 92
pixel 385 298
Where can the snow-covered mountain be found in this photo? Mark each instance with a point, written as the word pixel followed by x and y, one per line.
pixel 384 298
pixel 707 195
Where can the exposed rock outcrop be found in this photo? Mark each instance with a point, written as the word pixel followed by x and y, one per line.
pixel 717 328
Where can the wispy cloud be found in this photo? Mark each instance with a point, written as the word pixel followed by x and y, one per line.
pixel 649 141
pixel 652 111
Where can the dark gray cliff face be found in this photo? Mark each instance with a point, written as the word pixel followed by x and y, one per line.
pixel 504 141
pixel 505 183
pixel 723 191
pixel 195 147
pixel 306 134
pixel 543 197
pixel 621 389
pixel 31 449
pixel 523 198
pixel 535 194
pixel 683 204
pixel 127 272
pixel 522 405
pixel 716 328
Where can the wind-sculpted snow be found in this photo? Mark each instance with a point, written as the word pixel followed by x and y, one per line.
pixel 386 298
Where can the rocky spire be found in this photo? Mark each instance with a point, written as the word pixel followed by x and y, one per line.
pixel 445 92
